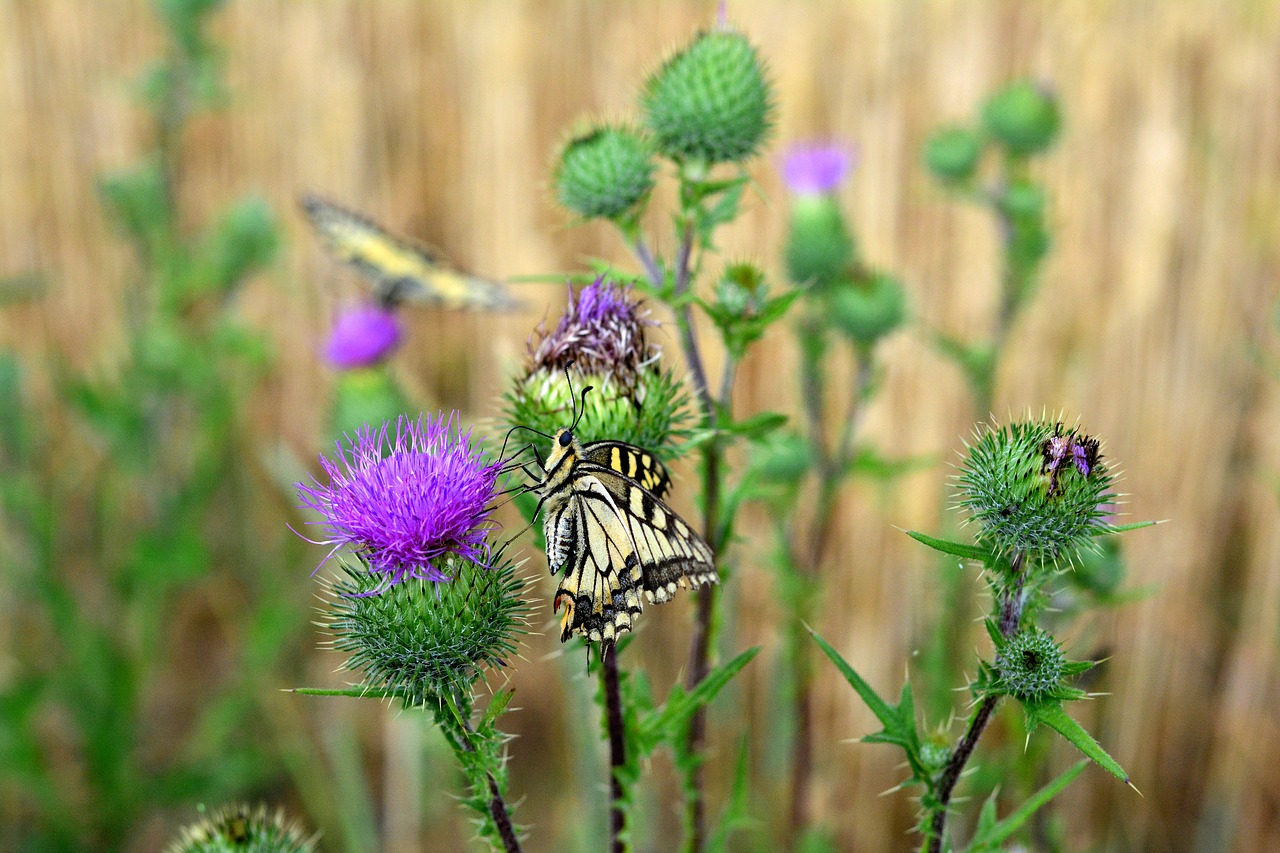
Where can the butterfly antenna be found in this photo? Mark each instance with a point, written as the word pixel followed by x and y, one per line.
pixel 503 454
pixel 573 399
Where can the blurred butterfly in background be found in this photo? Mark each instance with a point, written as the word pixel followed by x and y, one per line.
pixel 610 535
pixel 400 270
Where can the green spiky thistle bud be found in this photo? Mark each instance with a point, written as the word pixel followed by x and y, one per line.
pixel 866 310
pixel 1024 117
pixel 711 102
pixel 421 639
pixel 606 172
pixel 952 154
pixel 1030 666
pixel 819 248
pixel 599 341
pixel 935 752
pixel 1036 488
pixel 242 828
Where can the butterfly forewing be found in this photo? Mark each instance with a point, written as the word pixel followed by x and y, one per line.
pixel 399 269
pixel 630 461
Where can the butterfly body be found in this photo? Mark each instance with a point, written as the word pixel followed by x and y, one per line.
pixel 610 536
pixel 399 269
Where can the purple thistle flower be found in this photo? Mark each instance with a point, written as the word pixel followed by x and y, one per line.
pixel 601 332
pixel 362 335
pixel 815 169
pixel 405 502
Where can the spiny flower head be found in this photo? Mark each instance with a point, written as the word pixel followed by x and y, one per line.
pixel 362 335
pixel 606 172
pixel 711 102
pixel 407 497
pixel 243 828
pixel 600 342
pixel 601 332
pixel 421 639
pixel 1036 488
pixel 815 168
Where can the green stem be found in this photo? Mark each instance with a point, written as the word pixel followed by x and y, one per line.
pixel 1011 602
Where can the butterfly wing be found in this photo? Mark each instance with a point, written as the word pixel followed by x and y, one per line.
pixel 599 589
pixel 398 269
pixel 630 461
pixel 669 552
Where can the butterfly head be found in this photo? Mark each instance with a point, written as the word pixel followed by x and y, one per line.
pixel 565 451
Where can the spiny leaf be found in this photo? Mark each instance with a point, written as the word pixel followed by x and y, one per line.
pixel 990 834
pixel 1052 715
pixel 955 549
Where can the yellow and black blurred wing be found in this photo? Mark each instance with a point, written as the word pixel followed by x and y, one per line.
pixel 399 269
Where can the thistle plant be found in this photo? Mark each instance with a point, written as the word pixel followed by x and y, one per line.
pixel 242 828
pixel 846 309
pixel 1039 495
pixel 705 113
pixel 423 605
pixel 600 342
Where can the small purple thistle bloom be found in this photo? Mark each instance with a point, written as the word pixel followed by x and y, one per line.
pixel 405 502
pixel 815 169
pixel 362 335
pixel 601 332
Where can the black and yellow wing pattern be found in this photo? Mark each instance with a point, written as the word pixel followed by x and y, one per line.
pixel 400 270
pixel 610 536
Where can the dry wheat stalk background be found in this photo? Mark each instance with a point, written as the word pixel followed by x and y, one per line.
pixel 441 118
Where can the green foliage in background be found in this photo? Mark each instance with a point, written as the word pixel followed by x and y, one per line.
pixel 132 520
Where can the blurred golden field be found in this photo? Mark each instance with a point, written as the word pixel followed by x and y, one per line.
pixel 1155 326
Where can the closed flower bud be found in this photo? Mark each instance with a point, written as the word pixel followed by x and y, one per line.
pixel 243 828
pixel 935 752
pixel 1035 488
pixel 710 103
pixel 952 154
pixel 1031 666
pixel 819 248
pixel 868 310
pixel 1023 117
pixel 604 173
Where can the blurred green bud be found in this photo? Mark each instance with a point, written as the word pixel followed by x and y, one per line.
pixel 1031 666
pixel 935 752
pixel 1036 488
pixel 367 396
pixel 952 154
pixel 423 639
pixel 243 829
pixel 1023 117
pixel 820 248
pixel 604 173
pixel 710 102
pixel 868 310
pixel 741 291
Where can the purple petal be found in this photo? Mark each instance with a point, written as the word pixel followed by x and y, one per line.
pixel 362 335
pixel 815 169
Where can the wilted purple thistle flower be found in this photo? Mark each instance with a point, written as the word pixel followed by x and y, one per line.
pixel 405 502
pixel 362 335
pixel 815 169
pixel 601 333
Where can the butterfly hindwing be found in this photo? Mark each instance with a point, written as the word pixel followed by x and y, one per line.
pixel 670 553
pixel 399 269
